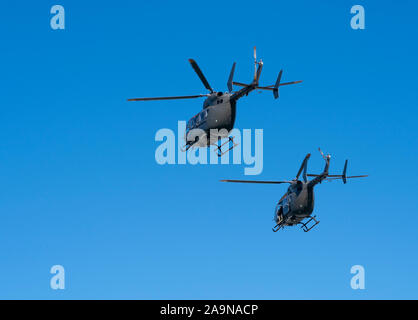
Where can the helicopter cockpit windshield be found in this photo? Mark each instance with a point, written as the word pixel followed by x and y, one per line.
pixel 197 120
pixel 278 207
pixel 190 123
pixel 278 212
pixel 282 207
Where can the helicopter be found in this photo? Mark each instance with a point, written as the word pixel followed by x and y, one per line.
pixel 297 203
pixel 219 108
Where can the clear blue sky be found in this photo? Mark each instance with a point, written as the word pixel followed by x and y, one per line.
pixel 79 185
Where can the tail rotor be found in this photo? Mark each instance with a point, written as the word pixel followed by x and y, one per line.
pixel 258 65
pixel 255 63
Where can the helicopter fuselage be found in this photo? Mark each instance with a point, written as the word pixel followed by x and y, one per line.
pixel 296 205
pixel 219 108
pixel 218 113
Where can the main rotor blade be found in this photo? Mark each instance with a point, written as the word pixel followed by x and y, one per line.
pixel 336 178
pixel 302 165
pixel 285 83
pixel 231 78
pixel 265 88
pixel 291 82
pixel 363 176
pixel 200 74
pixel 168 98
pixel 329 175
pixel 256 181
pixel 240 84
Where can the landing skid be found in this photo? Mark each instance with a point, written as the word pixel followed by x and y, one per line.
pixel 305 226
pixel 280 225
pixel 277 227
pixel 218 150
pixel 219 147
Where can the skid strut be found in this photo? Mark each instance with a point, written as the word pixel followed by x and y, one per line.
pixel 219 147
pixel 305 226
pixel 186 147
pixel 277 227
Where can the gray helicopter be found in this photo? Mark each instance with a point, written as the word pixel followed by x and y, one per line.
pixel 297 203
pixel 219 108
